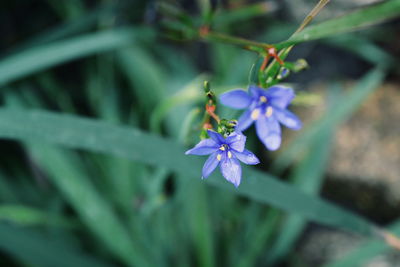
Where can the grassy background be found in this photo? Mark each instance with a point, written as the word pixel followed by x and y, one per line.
pixel 99 106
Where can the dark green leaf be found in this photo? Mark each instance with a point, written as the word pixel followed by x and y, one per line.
pixel 36 59
pixel 33 248
pixel 130 143
pixel 65 172
pixel 29 216
pixel 350 22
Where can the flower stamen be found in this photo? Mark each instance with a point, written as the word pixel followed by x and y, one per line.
pixel 255 114
pixel 229 154
pixel 219 157
pixel 268 112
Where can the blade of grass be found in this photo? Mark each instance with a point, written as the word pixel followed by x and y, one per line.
pixel 68 10
pixel 63 170
pixel 33 248
pixel 307 176
pixel 7 190
pixel 350 22
pixel 186 95
pixel 144 74
pixel 262 233
pixel 273 68
pixel 198 215
pixel 36 59
pixel 243 13
pixel 364 48
pixel 78 25
pixel 133 144
pixel 24 215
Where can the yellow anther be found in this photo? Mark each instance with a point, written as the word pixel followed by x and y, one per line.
pixel 229 154
pixel 263 99
pixel 219 157
pixel 222 148
pixel 255 114
pixel 268 113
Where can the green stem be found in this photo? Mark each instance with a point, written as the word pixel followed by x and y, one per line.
pixel 244 43
pixel 313 13
pixel 274 66
pixel 253 45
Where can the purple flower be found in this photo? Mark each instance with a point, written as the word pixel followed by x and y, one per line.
pixel 226 152
pixel 267 108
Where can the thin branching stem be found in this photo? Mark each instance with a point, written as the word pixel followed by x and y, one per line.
pixel 313 13
pixel 233 40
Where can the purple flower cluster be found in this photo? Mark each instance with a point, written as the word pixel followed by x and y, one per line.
pixel 225 152
pixel 267 108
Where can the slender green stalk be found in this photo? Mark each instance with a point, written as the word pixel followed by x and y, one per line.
pixel 243 43
pixel 258 47
pixel 313 13
pixel 273 67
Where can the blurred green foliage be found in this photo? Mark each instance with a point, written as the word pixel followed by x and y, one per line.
pixel 102 106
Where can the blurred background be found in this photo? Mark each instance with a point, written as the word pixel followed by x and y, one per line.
pixel 127 63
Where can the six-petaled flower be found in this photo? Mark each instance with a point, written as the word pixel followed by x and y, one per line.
pixel 225 152
pixel 267 108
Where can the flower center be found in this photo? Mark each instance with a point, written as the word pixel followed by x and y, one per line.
pixel 224 147
pixel 263 99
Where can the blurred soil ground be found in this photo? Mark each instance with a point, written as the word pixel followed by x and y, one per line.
pixel 363 174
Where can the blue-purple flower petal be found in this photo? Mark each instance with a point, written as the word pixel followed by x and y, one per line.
pixel 269 132
pixel 236 141
pixel 280 96
pixel 219 139
pixel 246 157
pixel 231 170
pixel 205 147
pixel 245 120
pixel 238 99
pixel 255 91
pixel 210 165
pixel 288 119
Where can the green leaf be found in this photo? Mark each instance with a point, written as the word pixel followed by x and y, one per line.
pixel 308 177
pixel 7 190
pixel 200 224
pixel 29 216
pixel 186 95
pixel 150 149
pixel 144 74
pixel 350 22
pixel 256 243
pixel 70 27
pixel 254 71
pixel 36 249
pixel 33 60
pixel 363 48
pixel 64 171
pixel 244 13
